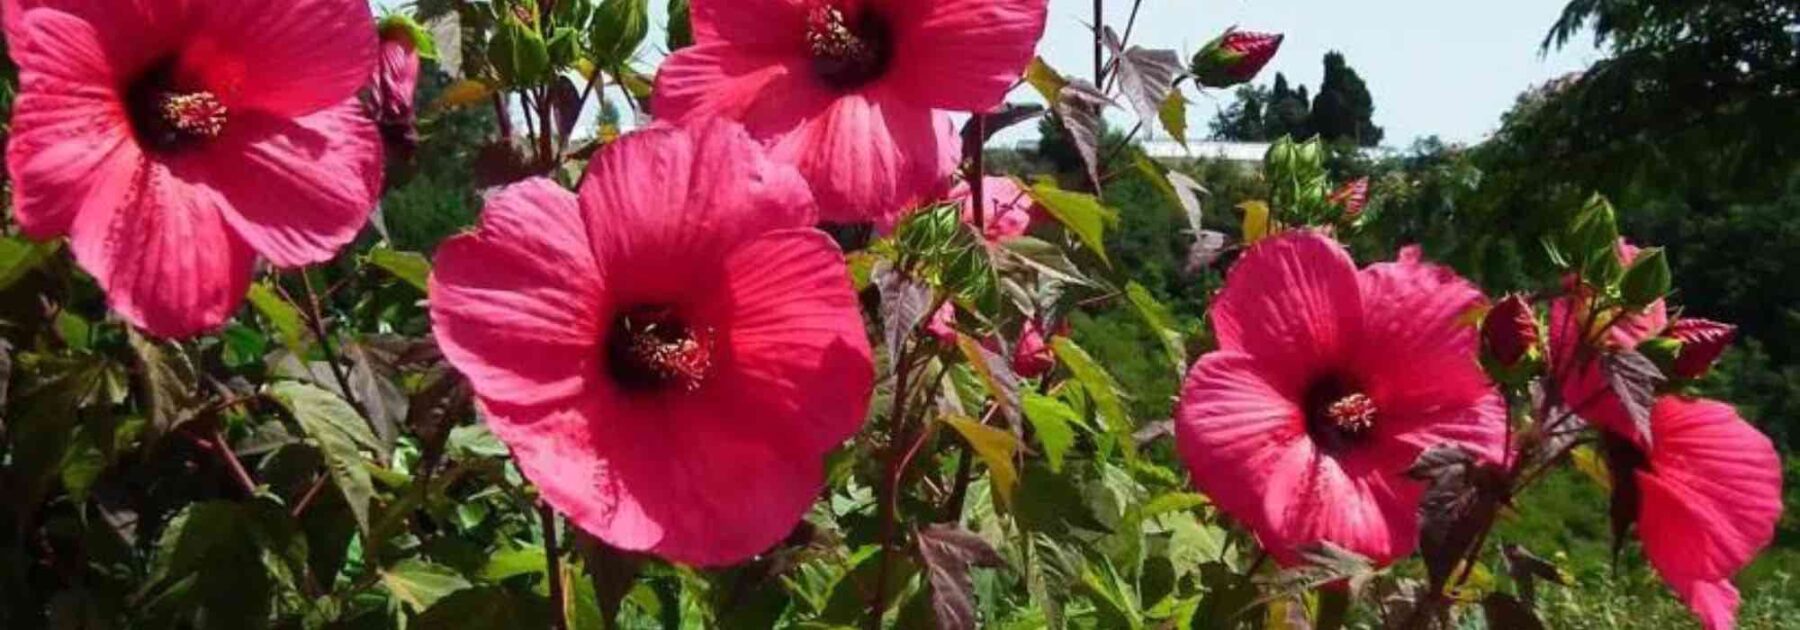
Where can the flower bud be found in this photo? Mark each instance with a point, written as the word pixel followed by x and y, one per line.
pixel 394 88
pixel 942 325
pixel 1352 197
pixel 1702 341
pixel 1647 280
pixel 1235 57
pixel 1510 330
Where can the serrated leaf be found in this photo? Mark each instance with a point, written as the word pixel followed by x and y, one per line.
pixel 419 584
pixel 1173 502
pixel 170 381
pixel 1173 114
pixel 947 553
pixel 996 449
pixel 1147 77
pixel 1462 494
pixel 1083 214
pixel 1053 422
pixel 338 431
pixel 1633 379
pixel 283 316
pixel 904 303
pixel 1081 108
pixel 411 267
pixel 1102 389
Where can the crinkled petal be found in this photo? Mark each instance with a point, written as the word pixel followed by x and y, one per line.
pixel 290 58
pixel 767 23
pixel 517 305
pixel 1710 498
pixel 769 93
pixel 131 34
pixel 299 189
pixel 670 204
pixel 69 134
pixel 962 54
pixel 1292 302
pixel 158 245
pixel 1417 358
pixel 869 157
pixel 797 356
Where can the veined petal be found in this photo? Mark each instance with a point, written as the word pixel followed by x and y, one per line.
pixel 962 54
pixel 288 58
pixel 1294 303
pixel 869 157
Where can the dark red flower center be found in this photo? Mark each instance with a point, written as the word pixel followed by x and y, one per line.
pixel 168 118
pixel 847 53
pixel 1338 414
pixel 651 349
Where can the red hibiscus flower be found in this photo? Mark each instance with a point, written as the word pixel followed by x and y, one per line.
pixel 1708 494
pixel 671 354
pixel 1327 385
pixel 853 92
pixel 173 142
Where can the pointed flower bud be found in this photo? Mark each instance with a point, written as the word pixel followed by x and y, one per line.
pixel 1510 330
pixel 1032 356
pixel 1352 197
pixel 1702 341
pixel 1235 57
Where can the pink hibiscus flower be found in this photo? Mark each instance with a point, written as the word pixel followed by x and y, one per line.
pixel 670 354
pixel 853 92
pixel 174 141
pixel 1709 495
pixel 1327 385
pixel 1007 213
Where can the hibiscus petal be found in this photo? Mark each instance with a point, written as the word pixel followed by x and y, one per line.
pixel 796 355
pixel 1417 358
pixel 161 250
pixel 962 54
pixel 670 204
pixel 1710 498
pixel 870 156
pixel 777 24
pixel 299 189
pixel 1293 303
pixel 69 135
pixel 131 33
pixel 288 58
pixel 717 80
pixel 516 306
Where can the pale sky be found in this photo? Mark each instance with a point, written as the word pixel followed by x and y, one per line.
pixel 1449 68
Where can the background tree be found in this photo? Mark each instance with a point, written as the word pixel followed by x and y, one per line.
pixel 1344 110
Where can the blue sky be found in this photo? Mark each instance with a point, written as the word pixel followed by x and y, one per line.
pixel 1448 68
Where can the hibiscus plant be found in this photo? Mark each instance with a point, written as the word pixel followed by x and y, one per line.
pixel 783 352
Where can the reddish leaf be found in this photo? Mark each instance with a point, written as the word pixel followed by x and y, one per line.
pixel 1079 106
pixel 1461 495
pixel 948 552
pixel 1633 378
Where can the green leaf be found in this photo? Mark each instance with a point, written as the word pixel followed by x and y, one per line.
pixel 514 562
pixel 423 42
pixel 995 372
pixel 1081 213
pixel 1161 321
pixel 20 256
pixel 283 316
pixel 681 29
pixel 1100 387
pixel 338 430
pixel 1054 422
pixel 408 266
pixel 485 608
pixel 170 380
pixel 619 28
pixel 1173 502
pixel 420 584
pixel 1045 79
pixel 1647 280
pixel 1173 115
pixel 519 53
pixel 996 449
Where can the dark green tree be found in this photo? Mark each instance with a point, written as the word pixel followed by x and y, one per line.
pixel 1289 113
pixel 1243 119
pixel 1344 110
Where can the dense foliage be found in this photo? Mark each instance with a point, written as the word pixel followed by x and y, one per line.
pixel 385 436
